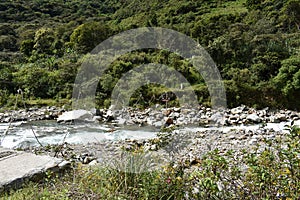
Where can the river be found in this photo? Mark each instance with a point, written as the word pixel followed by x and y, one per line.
pixel 21 134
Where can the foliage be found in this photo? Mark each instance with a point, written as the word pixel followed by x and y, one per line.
pixel 87 36
pixel 253 42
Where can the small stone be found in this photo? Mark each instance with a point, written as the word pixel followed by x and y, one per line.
pixel 158 124
pixel 231 137
pixel 93 163
pixel 64 164
pixel 243 137
pixel 177 109
pixel 169 121
pixel 153 147
pixel 280 117
pixel 128 147
pixel 253 141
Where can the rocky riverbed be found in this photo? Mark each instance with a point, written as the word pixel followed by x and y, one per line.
pixel 31 114
pixel 245 129
pixel 155 117
pixel 182 116
pixel 179 146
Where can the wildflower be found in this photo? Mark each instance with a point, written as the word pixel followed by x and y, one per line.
pixel 168 180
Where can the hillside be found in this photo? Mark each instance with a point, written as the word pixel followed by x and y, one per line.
pixel 255 44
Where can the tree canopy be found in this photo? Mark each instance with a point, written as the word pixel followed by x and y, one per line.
pixel 255 44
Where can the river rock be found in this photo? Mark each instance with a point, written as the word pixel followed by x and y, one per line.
pixel 158 124
pixel 238 110
pixel 169 121
pixel 253 118
pixel 280 117
pixel 75 115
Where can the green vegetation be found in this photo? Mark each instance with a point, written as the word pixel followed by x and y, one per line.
pixel 255 44
pixel 271 171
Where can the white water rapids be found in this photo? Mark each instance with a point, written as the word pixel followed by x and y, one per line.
pixel 50 132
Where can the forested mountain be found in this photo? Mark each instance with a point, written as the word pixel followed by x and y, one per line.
pixel 255 44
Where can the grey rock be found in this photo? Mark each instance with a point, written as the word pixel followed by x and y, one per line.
pixel 153 147
pixel 238 110
pixel 273 119
pixel 93 163
pixel 75 115
pixel 158 124
pixel 254 118
pixel 64 165
pixel 280 117
pixel 231 137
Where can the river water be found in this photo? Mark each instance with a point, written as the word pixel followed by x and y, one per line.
pixel 21 134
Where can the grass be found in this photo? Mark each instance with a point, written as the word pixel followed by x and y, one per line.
pixel 271 171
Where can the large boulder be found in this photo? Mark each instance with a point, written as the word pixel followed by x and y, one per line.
pixel 81 115
pixel 254 118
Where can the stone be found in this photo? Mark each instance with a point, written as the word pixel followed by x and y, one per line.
pixel 128 147
pixel 254 118
pixel 273 119
pixel 121 121
pixel 280 117
pixel 231 137
pixel 87 159
pixel 109 113
pixel 16 167
pixel 177 109
pixel 147 147
pixel 252 141
pixel 169 121
pixel 238 110
pixel 75 115
pixel 167 112
pixel 64 165
pixel 93 163
pixel 243 137
pixel 6 120
pixel 218 119
pixel 158 124
pixel 96 112
pixel 153 147
pixel 175 115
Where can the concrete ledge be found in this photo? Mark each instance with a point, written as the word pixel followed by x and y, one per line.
pixel 17 167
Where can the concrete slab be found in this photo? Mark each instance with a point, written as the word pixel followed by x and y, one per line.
pixel 17 167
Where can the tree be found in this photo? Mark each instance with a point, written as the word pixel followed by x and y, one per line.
pixel 87 36
pixel 27 47
pixel 292 14
pixel 43 40
pixel 8 42
pixel 288 78
pixel 33 80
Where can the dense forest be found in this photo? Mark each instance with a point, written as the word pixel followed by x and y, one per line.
pixel 255 44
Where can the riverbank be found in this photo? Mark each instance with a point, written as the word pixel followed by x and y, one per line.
pixel 82 127
pixel 177 145
pixel 203 165
pixel 31 114
pixel 157 117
